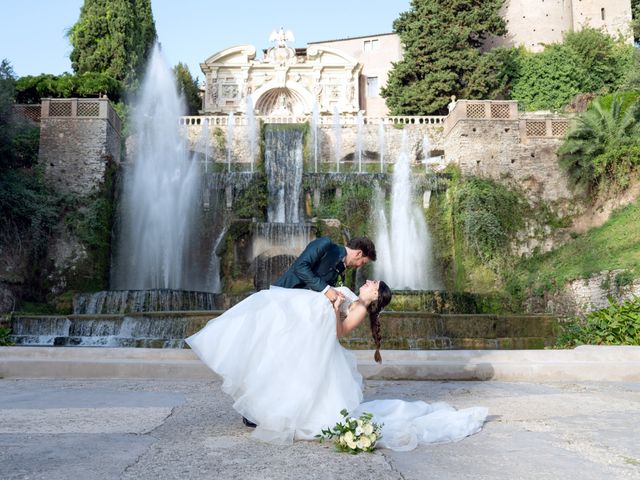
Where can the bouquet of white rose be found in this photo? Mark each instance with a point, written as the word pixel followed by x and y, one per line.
pixel 354 435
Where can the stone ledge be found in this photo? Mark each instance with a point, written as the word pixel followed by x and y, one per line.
pixel 586 363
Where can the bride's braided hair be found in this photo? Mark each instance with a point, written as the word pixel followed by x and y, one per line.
pixel 374 309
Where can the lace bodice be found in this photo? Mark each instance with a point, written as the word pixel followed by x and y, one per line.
pixel 349 298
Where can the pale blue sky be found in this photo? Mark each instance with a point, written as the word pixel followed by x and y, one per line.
pixel 32 32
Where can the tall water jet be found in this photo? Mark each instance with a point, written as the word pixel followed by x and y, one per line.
pixel 155 233
pixel 315 123
pixel 381 145
pixel 230 122
pixel 252 131
pixel 359 134
pixel 337 135
pixel 426 151
pixel 403 240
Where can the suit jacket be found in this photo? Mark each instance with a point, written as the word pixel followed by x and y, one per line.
pixel 318 265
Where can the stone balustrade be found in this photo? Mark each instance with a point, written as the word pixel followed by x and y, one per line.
pixel 548 126
pixel 28 111
pixel 241 120
pixel 80 108
pixel 531 125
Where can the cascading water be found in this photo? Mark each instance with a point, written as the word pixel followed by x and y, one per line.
pixel 161 190
pixel 252 131
pixel 337 135
pixel 403 241
pixel 381 145
pixel 283 166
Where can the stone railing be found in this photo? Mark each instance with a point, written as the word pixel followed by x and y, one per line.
pixel 548 126
pixel 481 110
pixel 80 108
pixel 28 111
pixel 531 125
pixel 241 120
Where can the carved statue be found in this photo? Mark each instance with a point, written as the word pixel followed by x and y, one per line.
pixel 281 37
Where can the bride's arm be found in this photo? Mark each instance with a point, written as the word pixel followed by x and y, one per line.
pixel 355 316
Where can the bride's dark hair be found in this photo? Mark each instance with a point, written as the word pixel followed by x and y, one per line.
pixel 374 309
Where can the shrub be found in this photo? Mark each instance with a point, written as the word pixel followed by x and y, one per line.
pixel 617 324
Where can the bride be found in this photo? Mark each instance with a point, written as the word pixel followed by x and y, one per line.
pixel 280 360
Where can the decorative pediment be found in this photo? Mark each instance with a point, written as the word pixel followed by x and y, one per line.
pixel 237 55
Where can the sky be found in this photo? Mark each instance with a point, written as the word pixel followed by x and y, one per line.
pixel 33 32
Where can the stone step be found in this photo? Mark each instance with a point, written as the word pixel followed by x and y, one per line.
pixel 585 363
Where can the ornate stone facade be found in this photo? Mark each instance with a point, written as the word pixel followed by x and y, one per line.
pixel 285 82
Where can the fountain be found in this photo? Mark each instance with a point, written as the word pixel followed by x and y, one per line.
pixel 381 145
pixel 155 234
pixel 403 240
pixel 337 134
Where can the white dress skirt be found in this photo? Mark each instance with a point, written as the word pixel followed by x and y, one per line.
pixel 280 360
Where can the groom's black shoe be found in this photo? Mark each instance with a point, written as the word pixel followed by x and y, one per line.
pixel 248 423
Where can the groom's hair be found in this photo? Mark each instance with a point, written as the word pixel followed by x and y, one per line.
pixel 364 244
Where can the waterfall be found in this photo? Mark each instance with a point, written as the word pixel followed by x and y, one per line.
pixel 381 145
pixel 160 193
pixel 283 165
pixel 403 241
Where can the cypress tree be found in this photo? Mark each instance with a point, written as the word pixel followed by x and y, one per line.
pixel 113 37
pixel 441 40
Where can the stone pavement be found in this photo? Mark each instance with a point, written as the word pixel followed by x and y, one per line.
pixel 169 429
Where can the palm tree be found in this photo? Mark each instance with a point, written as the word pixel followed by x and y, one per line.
pixel 594 140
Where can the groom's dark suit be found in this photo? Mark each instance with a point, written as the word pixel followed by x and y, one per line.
pixel 318 266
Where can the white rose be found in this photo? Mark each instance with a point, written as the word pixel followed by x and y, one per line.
pixel 348 437
pixel 373 437
pixel 341 440
pixel 367 429
pixel 351 444
pixel 359 422
pixel 364 443
pixel 358 431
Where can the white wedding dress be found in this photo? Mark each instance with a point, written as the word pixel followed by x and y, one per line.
pixel 280 360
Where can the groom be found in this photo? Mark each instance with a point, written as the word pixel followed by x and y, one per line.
pixel 319 266
pixel 322 262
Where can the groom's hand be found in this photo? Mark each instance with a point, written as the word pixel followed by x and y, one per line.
pixel 332 295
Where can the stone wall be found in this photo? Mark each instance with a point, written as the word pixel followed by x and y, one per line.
pixel 582 296
pixel 79 148
pixel 502 149
pixel 75 152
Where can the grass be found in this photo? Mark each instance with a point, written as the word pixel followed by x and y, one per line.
pixel 614 245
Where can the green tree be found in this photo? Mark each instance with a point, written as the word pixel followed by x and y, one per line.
pixel 442 40
pixel 602 146
pixel 188 88
pixel 588 61
pixel 30 89
pixel 7 92
pixel 113 37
